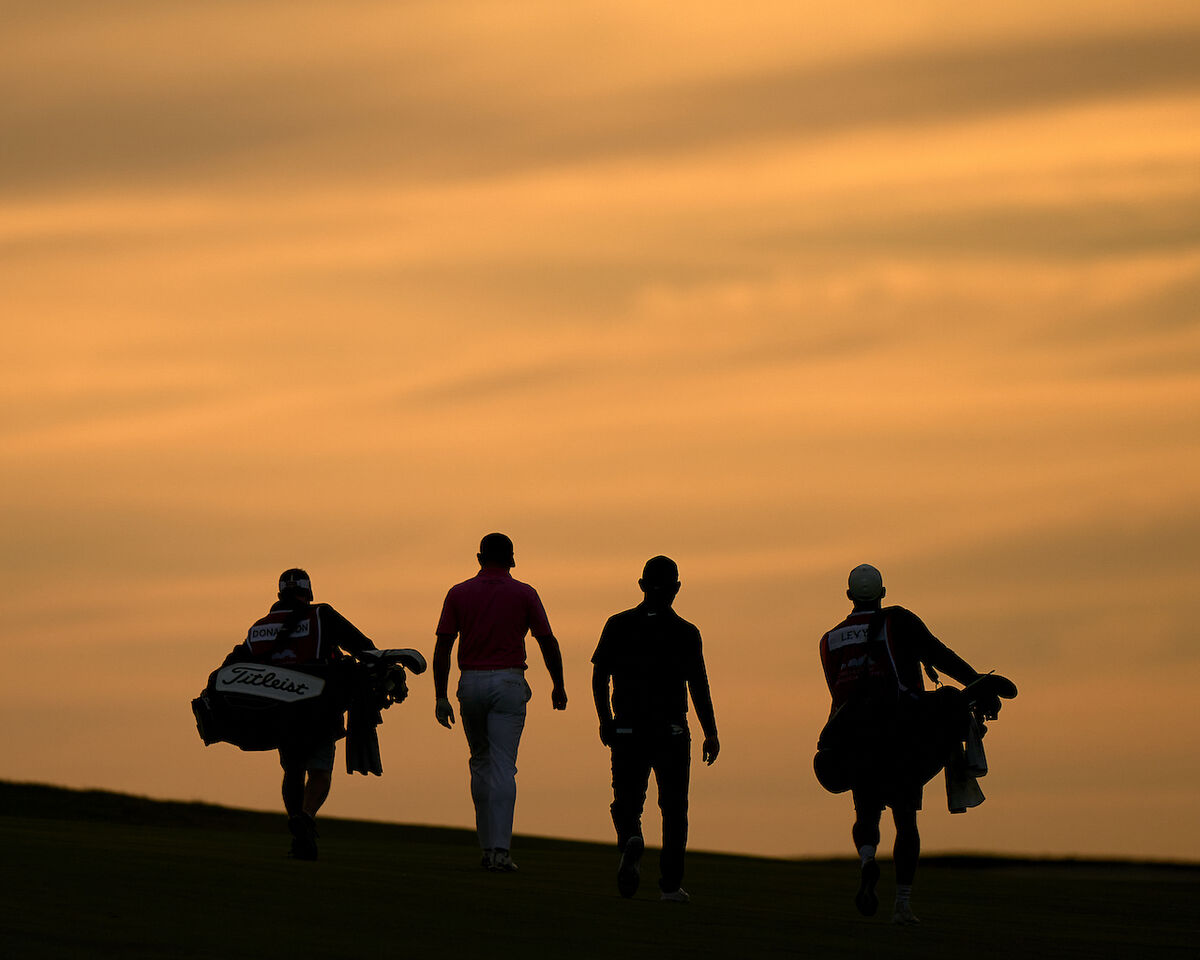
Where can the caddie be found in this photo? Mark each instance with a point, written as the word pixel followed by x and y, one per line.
pixel 299 633
pixel 886 737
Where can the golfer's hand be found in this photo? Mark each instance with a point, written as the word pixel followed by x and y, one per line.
pixel 710 749
pixel 444 713
pixel 558 698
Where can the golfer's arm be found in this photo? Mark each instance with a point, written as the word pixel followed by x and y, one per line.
pixel 600 678
pixel 441 664
pixel 702 699
pixel 553 657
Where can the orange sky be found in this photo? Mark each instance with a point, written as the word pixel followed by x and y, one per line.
pixel 775 293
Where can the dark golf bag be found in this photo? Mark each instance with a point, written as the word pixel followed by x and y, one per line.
pixel 890 742
pixel 257 706
pixel 906 741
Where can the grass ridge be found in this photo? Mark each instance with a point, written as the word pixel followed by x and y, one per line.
pixel 105 874
pixel 50 802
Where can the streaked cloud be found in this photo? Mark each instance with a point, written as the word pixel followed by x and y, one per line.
pixel 189 94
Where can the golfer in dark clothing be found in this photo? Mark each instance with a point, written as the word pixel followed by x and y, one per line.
pixel 653 657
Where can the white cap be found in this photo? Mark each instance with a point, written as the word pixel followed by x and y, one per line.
pixel 865 583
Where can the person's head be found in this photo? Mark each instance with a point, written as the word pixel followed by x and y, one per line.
pixel 660 581
pixel 496 550
pixel 865 587
pixel 294 584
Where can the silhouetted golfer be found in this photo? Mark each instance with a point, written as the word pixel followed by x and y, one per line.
pixel 653 657
pixel 492 612
pixel 884 739
pixel 296 632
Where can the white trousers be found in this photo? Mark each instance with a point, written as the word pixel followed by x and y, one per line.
pixel 491 704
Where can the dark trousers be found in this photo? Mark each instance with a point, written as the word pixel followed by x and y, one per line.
pixel 669 755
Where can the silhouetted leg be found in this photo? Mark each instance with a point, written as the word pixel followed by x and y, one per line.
pixel 907 849
pixel 292 758
pixel 867 812
pixel 630 776
pixel 293 790
pixel 868 808
pixel 316 790
pixel 672 766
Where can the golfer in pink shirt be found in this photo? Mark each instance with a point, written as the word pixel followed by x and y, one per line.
pixel 492 613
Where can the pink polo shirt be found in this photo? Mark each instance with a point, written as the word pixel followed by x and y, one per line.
pixel 492 612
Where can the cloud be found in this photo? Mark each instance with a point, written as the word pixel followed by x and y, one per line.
pixel 1029 230
pixel 941 84
pixel 187 112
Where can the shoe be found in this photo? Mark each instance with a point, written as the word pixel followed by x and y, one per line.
pixel 502 862
pixel 486 860
pixel 304 837
pixel 904 916
pixel 629 872
pixel 675 896
pixel 866 900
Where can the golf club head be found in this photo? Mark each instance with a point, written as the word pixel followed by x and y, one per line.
pixel 405 656
pixel 991 684
pixel 986 692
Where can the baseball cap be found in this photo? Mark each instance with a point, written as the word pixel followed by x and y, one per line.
pixel 295 581
pixel 865 583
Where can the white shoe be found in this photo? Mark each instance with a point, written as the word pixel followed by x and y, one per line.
pixel 904 916
pixel 676 896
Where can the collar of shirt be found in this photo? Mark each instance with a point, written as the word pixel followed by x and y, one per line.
pixel 494 573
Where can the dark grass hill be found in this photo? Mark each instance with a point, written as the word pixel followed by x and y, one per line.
pixel 96 874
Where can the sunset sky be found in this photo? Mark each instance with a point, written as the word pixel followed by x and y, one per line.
pixel 773 288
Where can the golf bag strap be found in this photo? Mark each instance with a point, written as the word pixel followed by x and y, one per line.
pixel 874 628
